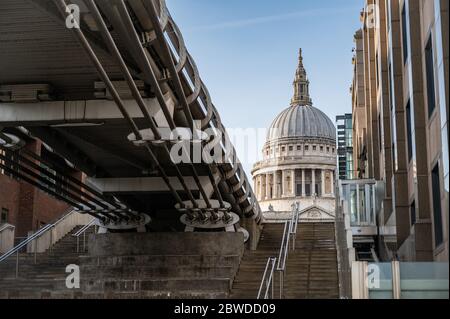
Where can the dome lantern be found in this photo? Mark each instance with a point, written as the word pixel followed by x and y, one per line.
pixel 301 84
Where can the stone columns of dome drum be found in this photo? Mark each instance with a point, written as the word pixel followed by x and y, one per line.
pixel 332 182
pixel 303 183
pixel 283 183
pixel 274 185
pixel 322 182
pixel 293 182
pixel 313 182
pixel 259 178
pixel 267 186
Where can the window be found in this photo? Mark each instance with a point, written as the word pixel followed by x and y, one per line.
pixel 332 150
pixel 299 190
pixel 412 211
pixel 321 148
pixel 377 70
pixel 306 147
pixel 409 130
pixel 283 149
pixel 4 216
pixel 291 148
pixel 437 213
pixel 314 147
pixel 404 34
pixel 308 189
pixel 391 88
pixel 429 62
pixel 379 132
pixel 299 148
pixel 328 150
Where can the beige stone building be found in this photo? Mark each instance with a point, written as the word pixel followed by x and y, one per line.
pixel 400 122
pixel 299 160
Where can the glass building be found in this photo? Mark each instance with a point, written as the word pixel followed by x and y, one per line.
pixel 345 146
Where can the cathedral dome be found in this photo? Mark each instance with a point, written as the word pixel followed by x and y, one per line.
pixel 302 121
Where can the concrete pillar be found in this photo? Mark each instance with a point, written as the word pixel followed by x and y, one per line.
pixel 303 183
pixel 322 183
pixel 293 182
pixel 313 181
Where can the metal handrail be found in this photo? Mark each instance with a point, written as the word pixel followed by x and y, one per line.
pixel 294 223
pixel 31 238
pixel 23 243
pixel 82 231
pixel 268 279
pixel 282 257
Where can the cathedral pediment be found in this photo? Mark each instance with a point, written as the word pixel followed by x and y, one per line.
pixel 315 213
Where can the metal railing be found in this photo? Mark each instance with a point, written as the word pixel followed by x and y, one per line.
pixel 282 256
pixel 267 281
pixel 279 264
pixel 32 240
pixel 294 223
pixel 82 231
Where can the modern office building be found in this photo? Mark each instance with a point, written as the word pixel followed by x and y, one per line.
pixel 400 123
pixel 345 146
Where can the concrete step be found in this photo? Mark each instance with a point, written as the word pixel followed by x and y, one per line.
pixel 144 272
pixel 160 284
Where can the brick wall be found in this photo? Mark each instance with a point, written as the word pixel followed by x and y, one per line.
pixel 28 206
pixel 9 197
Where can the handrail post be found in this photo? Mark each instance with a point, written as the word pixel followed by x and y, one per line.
pixel 84 241
pixel 273 286
pixel 281 284
pixel 78 244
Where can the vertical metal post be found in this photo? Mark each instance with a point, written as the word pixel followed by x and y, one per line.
pixel 273 288
pixel 396 288
pixel 281 285
pixel 78 244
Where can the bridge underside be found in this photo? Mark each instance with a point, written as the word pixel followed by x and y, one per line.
pixel 102 98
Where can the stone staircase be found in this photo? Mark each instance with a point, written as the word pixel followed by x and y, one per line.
pixel 129 276
pixel 252 266
pixel 48 274
pixel 311 269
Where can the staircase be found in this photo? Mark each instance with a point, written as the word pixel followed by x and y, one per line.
pixel 48 274
pixel 121 277
pixel 248 279
pixel 311 269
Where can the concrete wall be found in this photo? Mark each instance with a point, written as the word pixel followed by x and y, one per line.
pixel 128 244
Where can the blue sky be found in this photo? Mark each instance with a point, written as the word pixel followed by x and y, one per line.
pixel 246 52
